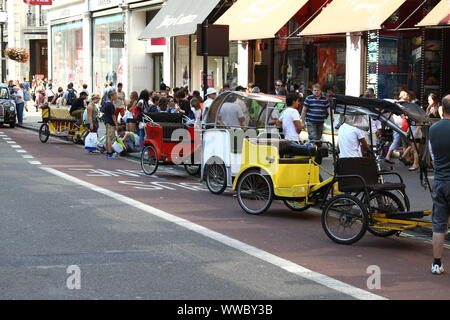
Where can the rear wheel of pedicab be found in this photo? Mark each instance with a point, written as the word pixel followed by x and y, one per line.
pixel 149 160
pixel 384 202
pixel 296 205
pixel 254 192
pixel 44 133
pixel 345 219
pixel 216 177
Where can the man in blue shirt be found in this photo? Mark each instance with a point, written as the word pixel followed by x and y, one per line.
pixel 315 112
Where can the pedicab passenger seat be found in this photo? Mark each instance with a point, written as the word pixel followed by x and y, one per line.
pixel 286 151
pixel 57 113
pixel 169 122
pixel 367 169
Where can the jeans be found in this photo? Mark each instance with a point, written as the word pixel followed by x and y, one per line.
pixel 141 133
pixel 396 142
pixel 19 109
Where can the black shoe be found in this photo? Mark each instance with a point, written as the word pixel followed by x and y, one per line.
pixel 389 161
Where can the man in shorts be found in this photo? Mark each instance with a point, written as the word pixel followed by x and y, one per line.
pixel 110 120
pixel 441 187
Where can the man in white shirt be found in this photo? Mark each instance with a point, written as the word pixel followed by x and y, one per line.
pixel 231 114
pixel 211 95
pixel 352 142
pixel 290 119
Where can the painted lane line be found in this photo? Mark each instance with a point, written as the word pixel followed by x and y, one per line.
pixel 11 142
pixel 34 162
pixel 7 139
pixel 16 146
pixel 233 243
pixel 21 151
pixel 27 156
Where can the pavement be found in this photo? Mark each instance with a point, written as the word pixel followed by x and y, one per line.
pixel 420 198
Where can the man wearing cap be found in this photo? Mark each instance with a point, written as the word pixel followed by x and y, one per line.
pixel 211 94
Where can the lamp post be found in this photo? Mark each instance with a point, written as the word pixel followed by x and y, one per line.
pixel 3 17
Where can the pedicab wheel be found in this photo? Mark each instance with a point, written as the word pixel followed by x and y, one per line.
pixel 296 205
pixel 44 133
pixel 345 219
pixel 384 202
pixel 149 160
pixel 254 192
pixel 192 169
pixel 216 177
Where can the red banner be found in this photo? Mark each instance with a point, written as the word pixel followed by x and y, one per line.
pixel 38 2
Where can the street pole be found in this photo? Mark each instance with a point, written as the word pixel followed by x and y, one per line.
pixel 205 58
pixel 2 56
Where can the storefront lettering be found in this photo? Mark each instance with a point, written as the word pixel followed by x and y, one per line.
pixel 172 21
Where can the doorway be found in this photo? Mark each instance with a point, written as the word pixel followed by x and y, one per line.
pixel 158 73
pixel 39 58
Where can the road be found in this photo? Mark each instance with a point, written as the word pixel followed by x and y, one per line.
pixel 167 237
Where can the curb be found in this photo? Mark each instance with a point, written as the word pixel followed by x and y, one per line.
pixel 423 231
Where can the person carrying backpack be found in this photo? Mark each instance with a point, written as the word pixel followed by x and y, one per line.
pixel 70 95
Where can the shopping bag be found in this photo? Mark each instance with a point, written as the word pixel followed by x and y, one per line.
pixel 101 142
pixel 90 143
pixel 118 146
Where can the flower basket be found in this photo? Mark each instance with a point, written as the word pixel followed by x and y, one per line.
pixel 17 54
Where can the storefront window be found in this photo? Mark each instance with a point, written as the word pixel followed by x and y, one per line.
pixel 67 54
pixel 182 61
pixel 215 69
pixel 231 66
pixel 108 62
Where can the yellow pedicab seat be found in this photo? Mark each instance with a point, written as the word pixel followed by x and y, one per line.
pixel 56 113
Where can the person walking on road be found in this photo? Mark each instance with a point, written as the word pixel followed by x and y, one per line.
pixel 315 111
pixel 441 187
pixel 110 120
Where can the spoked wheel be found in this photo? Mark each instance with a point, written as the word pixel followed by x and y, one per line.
pixel 384 202
pixel 192 169
pixel 216 177
pixel 44 133
pixel 345 219
pixel 254 192
pixel 149 160
pixel 296 205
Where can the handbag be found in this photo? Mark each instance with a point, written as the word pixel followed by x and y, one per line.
pixel 90 143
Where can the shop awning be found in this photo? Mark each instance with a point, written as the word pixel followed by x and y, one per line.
pixel 259 19
pixel 342 16
pixel 439 16
pixel 178 17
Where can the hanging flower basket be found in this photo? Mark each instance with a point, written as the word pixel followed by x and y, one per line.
pixel 17 54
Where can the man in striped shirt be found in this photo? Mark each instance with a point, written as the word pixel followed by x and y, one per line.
pixel 315 111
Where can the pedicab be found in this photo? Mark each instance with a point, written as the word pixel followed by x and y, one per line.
pixel 353 200
pixel 57 120
pixel 170 138
pixel 232 117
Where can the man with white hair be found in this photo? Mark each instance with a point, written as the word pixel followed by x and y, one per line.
pixel 211 94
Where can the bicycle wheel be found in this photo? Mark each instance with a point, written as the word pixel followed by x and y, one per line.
pixel 254 192
pixel 44 133
pixel 384 202
pixel 345 219
pixel 149 160
pixel 216 177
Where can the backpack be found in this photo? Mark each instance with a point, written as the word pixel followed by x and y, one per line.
pixel 71 97
pixel 26 95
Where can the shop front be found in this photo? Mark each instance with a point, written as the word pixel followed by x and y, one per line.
pixel 67 53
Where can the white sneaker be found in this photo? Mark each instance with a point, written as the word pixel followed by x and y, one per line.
pixel 435 269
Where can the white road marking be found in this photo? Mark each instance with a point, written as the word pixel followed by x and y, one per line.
pixel 11 142
pixel 243 247
pixel 27 156
pixel 21 151
pixel 16 146
pixel 7 139
pixel 34 162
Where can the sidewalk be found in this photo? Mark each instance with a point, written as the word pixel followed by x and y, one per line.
pixel 419 197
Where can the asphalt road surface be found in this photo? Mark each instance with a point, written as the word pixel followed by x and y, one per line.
pixel 79 226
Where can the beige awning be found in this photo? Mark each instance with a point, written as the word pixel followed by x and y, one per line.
pixel 342 16
pixel 439 16
pixel 259 19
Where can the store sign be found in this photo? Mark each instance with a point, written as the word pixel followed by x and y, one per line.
pixel 38 2
pixel 103 4
pixel 117 39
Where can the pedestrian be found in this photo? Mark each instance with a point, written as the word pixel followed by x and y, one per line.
pixel 184 106
pixel 120 102
pixel 111 123
pixel 211 95
pixel 290 119
pixel 40 96
pixel 278 86
pixel 315 111
pixel 171 105
pixel 85 89
pixel 20 103
pixel 163 104
pixel 50 92
pixel 352 139
pixel 153 104
pixel 441 184
pixel 92 111
pixel 106 91
pixel 132 116
pixel 77 108
pixel 142 104
pixel 70 95
pixel 11 86
pixel 433 106
pixel 58 99
pixel 195 107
